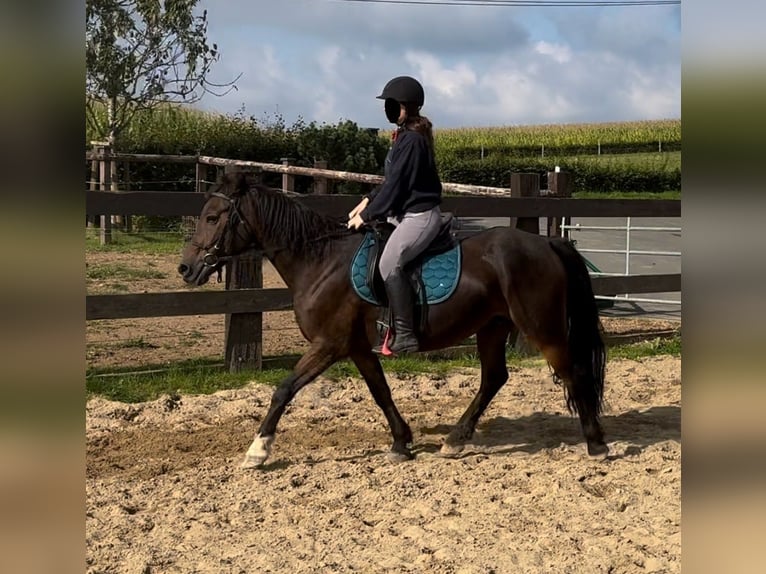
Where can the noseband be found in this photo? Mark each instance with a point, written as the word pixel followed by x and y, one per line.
pixel 212 256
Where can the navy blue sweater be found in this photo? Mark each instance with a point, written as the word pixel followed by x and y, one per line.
pixel 411 181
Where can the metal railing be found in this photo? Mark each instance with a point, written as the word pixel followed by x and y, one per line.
pixel 566 230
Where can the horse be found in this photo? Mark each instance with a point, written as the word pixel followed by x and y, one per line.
pixel 510 281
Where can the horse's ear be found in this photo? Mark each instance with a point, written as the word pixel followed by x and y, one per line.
pixel 234 184
pixel 240 184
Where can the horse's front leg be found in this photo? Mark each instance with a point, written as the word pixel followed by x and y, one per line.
pixel 309 367
pixel 372 371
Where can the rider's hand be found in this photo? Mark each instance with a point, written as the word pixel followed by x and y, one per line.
pixel 358 209
pixel 355 222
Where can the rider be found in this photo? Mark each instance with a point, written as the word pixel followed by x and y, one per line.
pixel 409 196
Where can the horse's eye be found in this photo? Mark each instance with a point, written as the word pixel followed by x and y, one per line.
pixel 212 219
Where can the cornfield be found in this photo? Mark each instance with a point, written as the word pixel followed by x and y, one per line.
pixel 567 139
pixel 617 156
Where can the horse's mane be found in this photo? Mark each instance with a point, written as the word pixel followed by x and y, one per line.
pixel 293 225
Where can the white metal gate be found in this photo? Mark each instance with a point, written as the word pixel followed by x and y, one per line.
pixel 567 229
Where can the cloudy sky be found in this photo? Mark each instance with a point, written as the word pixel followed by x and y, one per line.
pixel 326 60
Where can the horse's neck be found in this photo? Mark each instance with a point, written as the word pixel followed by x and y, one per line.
pixel 302 273
pixel 288 263
pixel 293 265
pixel 287 266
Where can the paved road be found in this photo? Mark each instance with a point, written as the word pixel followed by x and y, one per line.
pixel 668 241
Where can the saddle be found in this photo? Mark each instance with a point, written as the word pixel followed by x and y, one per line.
pixel 444 241
pixel 434 274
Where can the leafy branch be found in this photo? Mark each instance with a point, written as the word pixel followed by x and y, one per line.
pixel 141 53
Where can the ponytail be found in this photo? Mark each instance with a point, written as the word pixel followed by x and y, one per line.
pixel 422 125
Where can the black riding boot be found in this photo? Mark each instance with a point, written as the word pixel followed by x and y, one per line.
pixel 401 299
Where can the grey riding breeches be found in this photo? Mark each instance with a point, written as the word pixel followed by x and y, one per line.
pixel 412 235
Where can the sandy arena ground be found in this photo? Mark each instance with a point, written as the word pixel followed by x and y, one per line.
pixel 165 493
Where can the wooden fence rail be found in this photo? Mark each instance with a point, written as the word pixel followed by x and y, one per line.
pixel 176 203
pixel 179 303
pixel 283 168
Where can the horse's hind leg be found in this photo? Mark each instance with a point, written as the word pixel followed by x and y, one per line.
pixel 372 371
pixel 490 342
pixel 309 367
pixel 581 394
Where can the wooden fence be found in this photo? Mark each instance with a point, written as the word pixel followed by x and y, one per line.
pixel 245 300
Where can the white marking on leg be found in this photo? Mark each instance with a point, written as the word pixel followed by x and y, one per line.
pixel 258 452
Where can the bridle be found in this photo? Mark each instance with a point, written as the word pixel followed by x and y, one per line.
pixel 235 222
pixel 212 257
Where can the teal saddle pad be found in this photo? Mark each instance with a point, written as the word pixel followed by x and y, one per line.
pixel 438 275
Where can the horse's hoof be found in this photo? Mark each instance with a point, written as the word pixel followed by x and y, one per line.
pixel 258 452
pixel 598 450
pixel 252 462
pixel 448 450
pixel 397 457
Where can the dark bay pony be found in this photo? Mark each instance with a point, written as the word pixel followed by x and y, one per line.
pixel 510 280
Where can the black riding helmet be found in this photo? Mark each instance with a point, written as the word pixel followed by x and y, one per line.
pixel 401 90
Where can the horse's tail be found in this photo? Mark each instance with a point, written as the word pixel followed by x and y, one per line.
pixel 585 392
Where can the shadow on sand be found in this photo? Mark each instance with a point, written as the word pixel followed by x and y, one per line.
pixel 540 431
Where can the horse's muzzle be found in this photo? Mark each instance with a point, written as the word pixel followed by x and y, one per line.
pixel 196 274
pixel 184 270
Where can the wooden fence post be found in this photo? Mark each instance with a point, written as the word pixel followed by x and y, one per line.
pixel 288 180
pixel 189 222
pixel 560 184
pixel 128 217
pixel 244 331
pixel 200 176
pixel 320 183
pixel 91 221
pixel 525 185
pixel 114 179
pixel 105 178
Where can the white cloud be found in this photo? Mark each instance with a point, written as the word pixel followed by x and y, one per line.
pixel 325 104
pixel 444 82
pixel 325 61
pixel 651 98
pixel 559 53
pixel 523 97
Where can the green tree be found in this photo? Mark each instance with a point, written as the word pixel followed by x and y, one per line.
pixel 141 53
pixel 345 146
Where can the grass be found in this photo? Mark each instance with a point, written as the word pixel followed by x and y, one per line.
pixel 116 271
pixel 627 195
pixel 149 243
pixel 205 376
pixel 198 376
pixel 653 348
pixel 657 161
pixel 138 343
